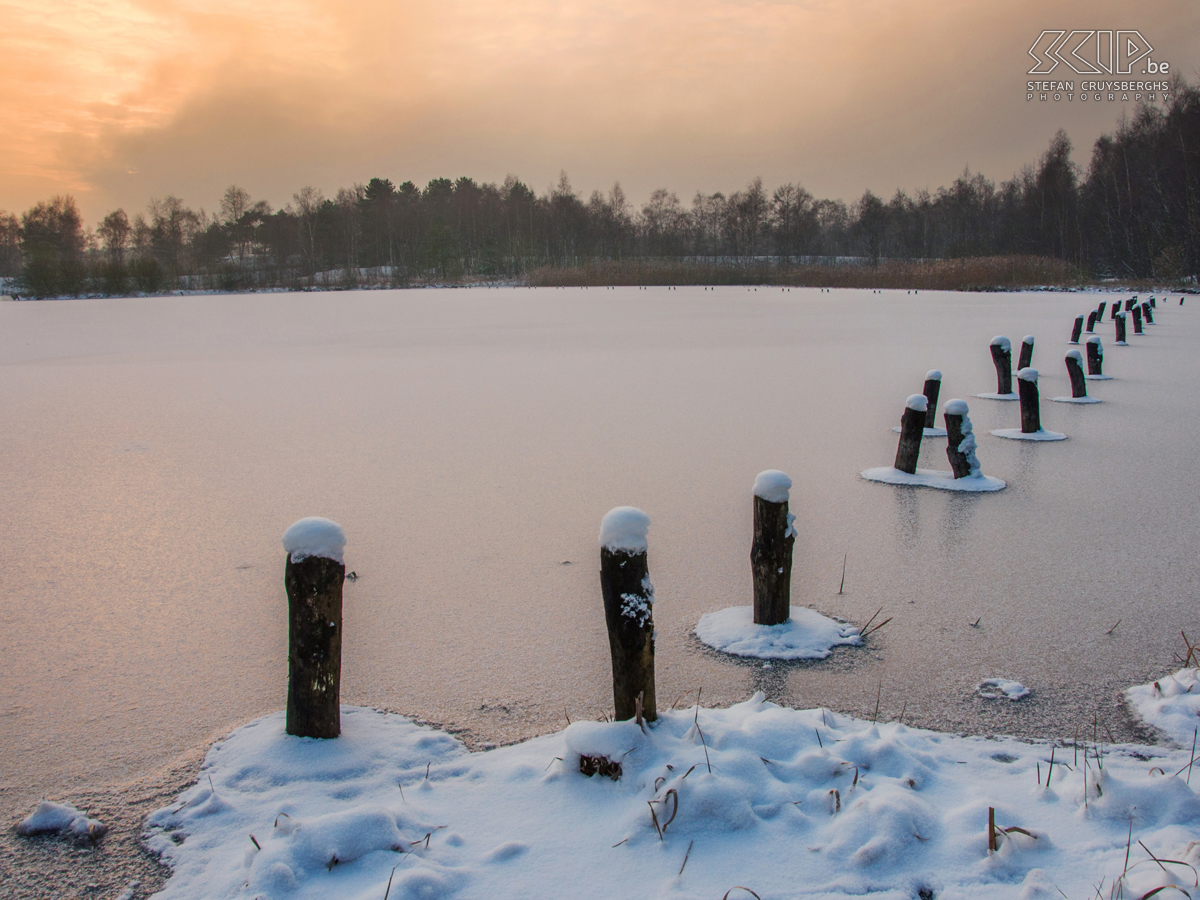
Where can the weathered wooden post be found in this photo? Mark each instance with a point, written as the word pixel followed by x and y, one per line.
pixel 1095 356
pixel 960 447
pixel 1121 329
pixel 313 576
pixel 1153 303
pixel 1075 371
pixel 1129 303
pixel 933 387
pixel 1116 309
pixel 1002 358
pixel 771 551
pixel 1148 313
pixel 628 610
pixel 1076 329
pixel 912 429
pixel 1091 322
pixel 1026 357
pixel 1031 415
pixel 1137 320
pixel 1100 310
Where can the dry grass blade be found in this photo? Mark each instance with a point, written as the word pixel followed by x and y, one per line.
pixel 877 627
pixel 820 743
pixel 548 765
pixel 674 795
pixel 1114 628
pixel 278 817
pixel 1171 862
pixel 740 888
pixel 903 710
pixel 1193 759
pixel 878 695
pixel 638 708
pixel 836 796
pixel 654 819
pixel 332 862
pixel 254 841
pixel 1173 887
pixel 843 584
pixel 618 844
pixel 389 887
pixel 680 697
pixel 993 846
pixel 870 620
pixel 1128 844
pixel 1050 771
pixel 685 857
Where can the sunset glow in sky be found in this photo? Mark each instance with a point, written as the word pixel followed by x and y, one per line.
pixel 118 101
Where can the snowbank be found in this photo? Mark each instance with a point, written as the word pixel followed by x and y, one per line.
pixel 789 803
pixel 63 819
pixel 315 536
pixel 624 528
pixel 806 635
pixel 1171 704
pixel 943 481
pixel 1016 434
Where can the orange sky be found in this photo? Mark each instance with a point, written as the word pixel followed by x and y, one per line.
pixel 118 101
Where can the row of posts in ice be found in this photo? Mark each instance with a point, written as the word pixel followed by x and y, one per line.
pixel 920 409
pixel 314 574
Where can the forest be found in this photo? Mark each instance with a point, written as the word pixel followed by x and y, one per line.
pixel 1132 214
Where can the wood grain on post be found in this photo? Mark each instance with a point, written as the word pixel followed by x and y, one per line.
pixel 313 577
pixel 1031 414
pixel 1002 359
pixel 1137 320
pixel 933 387
pixel 1095 356
pixel 1120 328
pixel 1026 357
pixel 960 446
pixel 912 429
pixel 628 611
pixel 1075 371
pixel 771 550
pixel 1076 329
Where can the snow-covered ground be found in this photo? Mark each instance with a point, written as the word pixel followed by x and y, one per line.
pixel 780 802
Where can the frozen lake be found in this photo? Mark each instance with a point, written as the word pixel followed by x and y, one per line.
pixel 469 441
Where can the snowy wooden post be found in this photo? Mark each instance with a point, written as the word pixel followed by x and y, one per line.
pixel 1095 356
pixel 1091 322
pixel 771 552
pixel 1031 416
pixel 1116 310
pixel 933 387
pixel 1076 330
pixel 1075 371
pixel 1129 303
pixel 1153 303
pixel 1137 320
pixel 1121 328
pixel 628 610
pixel 912 429
pixel 313 577
pixel 1002 358
pixel 1100 311
pixel 1026 357
pixel 960 447
pixel 1147 314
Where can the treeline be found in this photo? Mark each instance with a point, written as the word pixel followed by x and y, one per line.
pixel 1134 213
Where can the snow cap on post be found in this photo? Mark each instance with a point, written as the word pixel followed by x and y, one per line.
pixel 933 375
pixel 1028 374
pixel 956 408
pixel 1001 341
pixel 1073 354
pixel 1095 339
pixel 773 486
pixel 918 402
pixel 1028 339
pixel 314 536
pixel 624 529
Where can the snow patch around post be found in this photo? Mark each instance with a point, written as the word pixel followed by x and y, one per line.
pixel 995 396
pixel 314 536
pixel 1076 399
pixel 772 486
pixel 61 819
pixel 995 688
pixel 930 478
pixel 805 635
pixel 623 529
pixel 1016 434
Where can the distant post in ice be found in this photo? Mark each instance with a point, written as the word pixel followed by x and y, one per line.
pixel 1121 328
pixel 1116 309
pixel 1129 303
pixel 1137 320
pixel 1002 358
pixel 960 447
pixel 1100 311
pixel 1075 371
pixel 628 610
pixel 1031 414
pixel 1095 356
pixel 1076 329
pixel 1091 322
pixel 912 429
pixel 313 576
pixel 1026 357
pixel 1148 313
pixel 1153 303
pixel 933 386
pixel 771 552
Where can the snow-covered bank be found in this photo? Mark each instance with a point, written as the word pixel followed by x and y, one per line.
pixel 1171 705
pixel 785 802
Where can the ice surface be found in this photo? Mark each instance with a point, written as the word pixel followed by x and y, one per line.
pixel 1016 434
pixel 872 809
pixel 806 635
pixel 624 528
pixel 918 402
pixel 995 688
pixel 943 481
pixel 315 536
pixel 773 486
pixel 61 818
pixel 1029 374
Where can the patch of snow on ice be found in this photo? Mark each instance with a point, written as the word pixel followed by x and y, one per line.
pixel 61 818
pixel 315 536
pixel 995 688
pixel 806 635
pixel 928 432
pixel 773 486
pixel 624 528
pixel 1016 434
pixel 1171 705
pixel 995 396
pixel 1076 400
pixel 943 481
